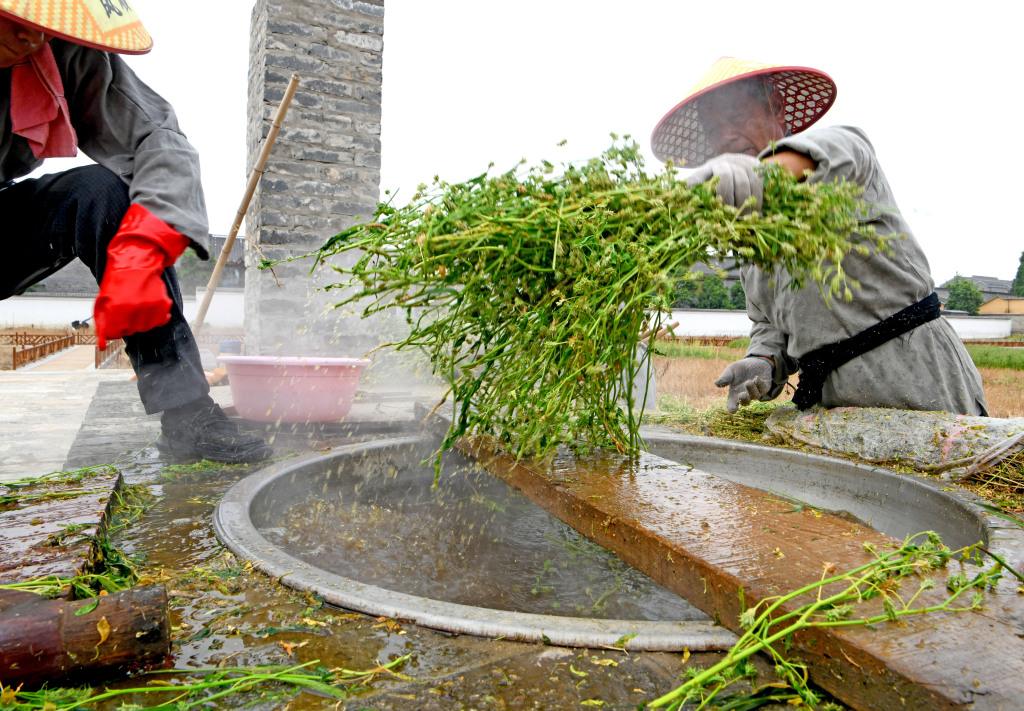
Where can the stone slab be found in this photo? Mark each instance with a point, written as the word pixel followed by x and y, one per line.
pixel 706 538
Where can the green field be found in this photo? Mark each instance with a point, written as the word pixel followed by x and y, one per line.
pixel 983 356
pixel 997 356
pixel 734 350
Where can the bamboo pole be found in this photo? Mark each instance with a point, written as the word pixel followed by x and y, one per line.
pixel 254 177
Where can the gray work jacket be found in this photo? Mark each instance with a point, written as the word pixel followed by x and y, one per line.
pixel 924 369
pixel 127 128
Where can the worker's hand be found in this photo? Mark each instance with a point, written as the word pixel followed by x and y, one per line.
pixel 133 297
pixel 748 379
pixel 738 178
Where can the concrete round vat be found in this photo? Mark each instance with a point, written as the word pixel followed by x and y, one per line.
pixel 248 515
pixel 894 504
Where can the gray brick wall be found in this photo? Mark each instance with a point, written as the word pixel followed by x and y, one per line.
pixel 323 172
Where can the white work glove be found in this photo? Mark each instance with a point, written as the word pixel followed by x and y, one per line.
pixel 738 178
pixel 748 379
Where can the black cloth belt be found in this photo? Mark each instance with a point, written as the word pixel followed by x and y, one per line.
pixel 816 365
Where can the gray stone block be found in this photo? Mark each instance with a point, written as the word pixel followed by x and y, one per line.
pixel 319 155
pixel 373 7
pixel 289 28
pixel 360 41
pixel 306 99
pixel 371 161
pixel 352 208
pixel 299 135
pixel 351 108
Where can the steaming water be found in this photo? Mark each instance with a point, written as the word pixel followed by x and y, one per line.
pixel 472 541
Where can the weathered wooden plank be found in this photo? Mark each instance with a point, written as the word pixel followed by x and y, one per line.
pixel 705 537
pixel 53 534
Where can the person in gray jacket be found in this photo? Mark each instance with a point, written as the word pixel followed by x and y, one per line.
pixel 63 88
pixel 885 348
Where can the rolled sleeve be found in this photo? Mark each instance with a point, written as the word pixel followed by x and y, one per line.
pixel 128 128
pixel 838 152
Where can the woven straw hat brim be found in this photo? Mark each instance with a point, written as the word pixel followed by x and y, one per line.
pixel 807 94
pixel 110 25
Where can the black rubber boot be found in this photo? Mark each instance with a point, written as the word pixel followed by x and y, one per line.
pixel 201 430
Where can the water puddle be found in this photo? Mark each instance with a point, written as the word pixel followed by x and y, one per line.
pixel 472 540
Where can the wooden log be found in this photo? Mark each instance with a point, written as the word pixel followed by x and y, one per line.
pixel 52 640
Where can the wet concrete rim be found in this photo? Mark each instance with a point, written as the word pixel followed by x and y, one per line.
pixel 234 528
pixel 913 502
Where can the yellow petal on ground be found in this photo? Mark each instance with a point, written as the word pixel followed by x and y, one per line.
pixel 103 627
pixel 289 648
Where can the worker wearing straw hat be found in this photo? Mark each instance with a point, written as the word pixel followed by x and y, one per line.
pixel 128 218
pixel 885 348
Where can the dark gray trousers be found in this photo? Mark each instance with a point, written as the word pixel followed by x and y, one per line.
pixel 48 222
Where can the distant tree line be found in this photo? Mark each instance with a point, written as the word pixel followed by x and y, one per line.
pixel 695 290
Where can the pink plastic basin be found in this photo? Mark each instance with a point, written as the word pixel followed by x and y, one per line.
pixel 292 389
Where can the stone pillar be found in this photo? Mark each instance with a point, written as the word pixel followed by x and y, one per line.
pixel 323 172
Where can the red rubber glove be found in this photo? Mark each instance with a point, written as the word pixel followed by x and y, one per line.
pixel 133 297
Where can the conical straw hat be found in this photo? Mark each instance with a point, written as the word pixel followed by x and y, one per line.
pixel 110 25
pixel 807 94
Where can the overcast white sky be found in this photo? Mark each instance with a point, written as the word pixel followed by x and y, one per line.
pixel 467 82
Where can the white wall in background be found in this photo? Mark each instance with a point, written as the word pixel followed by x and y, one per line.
pixel 57 312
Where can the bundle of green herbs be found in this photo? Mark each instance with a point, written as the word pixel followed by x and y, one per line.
pixel 530 290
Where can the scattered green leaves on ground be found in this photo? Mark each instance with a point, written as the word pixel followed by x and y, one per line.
pixel 747 423
pixel 835 601
pixel 215 684
pixel 108 570
pixel 203 466
pixel 55 485
pixel 82 586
